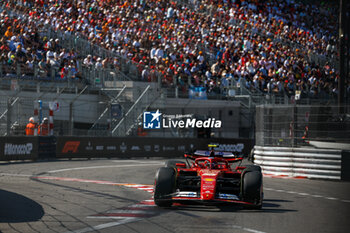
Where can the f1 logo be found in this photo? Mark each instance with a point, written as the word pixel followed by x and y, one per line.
pixel 71 146
pixel 151 120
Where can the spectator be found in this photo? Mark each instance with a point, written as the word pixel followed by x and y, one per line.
pixel 273 37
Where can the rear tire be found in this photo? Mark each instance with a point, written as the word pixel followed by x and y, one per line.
pixel 252 188
pixel 164 185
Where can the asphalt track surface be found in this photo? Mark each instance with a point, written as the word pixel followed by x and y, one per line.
pixel 115 196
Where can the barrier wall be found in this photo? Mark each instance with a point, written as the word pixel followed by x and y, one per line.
pixel 278 161
pixel 24 147
pixel 18 148
pixel 75 147
pixel 299 162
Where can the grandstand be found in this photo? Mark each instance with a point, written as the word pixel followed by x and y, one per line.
pixel 133 55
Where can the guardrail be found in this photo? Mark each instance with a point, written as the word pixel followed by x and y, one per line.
pixel 299 162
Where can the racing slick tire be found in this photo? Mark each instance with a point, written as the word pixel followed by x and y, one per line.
pixel 164 185
pixel 173 162
pixel 252 188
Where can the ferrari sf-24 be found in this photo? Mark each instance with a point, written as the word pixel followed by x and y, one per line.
pixel 209 177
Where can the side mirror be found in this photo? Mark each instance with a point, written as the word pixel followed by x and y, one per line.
pixel 181 165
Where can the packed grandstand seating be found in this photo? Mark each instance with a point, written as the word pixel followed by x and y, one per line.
pixel 268 46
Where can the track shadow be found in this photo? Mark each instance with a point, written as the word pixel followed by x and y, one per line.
pixel 16 208
pixel 269 206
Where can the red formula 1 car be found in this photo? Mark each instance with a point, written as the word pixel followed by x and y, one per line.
pixel 209 178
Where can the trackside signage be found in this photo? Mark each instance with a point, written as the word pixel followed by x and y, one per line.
pixel 157 120
pixel 18 148
pixel 230 147
pixel 124 147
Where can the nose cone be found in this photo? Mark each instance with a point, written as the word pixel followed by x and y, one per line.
pixel 208 184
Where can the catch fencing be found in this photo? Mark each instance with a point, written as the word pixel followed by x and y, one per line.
pixel 295 125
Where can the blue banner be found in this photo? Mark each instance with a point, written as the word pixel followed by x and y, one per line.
pixel 197 93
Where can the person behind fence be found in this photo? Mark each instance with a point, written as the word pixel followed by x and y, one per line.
pixel 30 127
pixel 44 127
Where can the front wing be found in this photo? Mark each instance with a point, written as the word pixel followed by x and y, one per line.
pixel 185 197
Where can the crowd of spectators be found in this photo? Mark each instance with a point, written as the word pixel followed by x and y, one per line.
pixel 207 42
pixel 22 48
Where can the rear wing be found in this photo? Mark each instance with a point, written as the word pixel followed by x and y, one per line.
pixel 228 156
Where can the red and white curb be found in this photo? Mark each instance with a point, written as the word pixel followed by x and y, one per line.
pixel 144 209
pixel 128 214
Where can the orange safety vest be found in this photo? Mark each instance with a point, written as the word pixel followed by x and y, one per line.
pixel 43 130
pixel 30 128
pixel 141 132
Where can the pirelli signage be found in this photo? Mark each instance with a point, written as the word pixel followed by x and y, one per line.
pixel 18 148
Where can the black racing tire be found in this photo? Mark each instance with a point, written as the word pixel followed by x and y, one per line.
pixel 164 185
pixel 252 168
pixel 172 163
pixel 252 185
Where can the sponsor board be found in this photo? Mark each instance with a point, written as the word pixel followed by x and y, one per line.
pixel 18 149
pixel 71 146
pixel 89 147
pixel 147 148
pixel 230 147
pixel 68 147
pixel 111 147
pixel 168 148
pixel 137 148
pixel 123 147
pixel 156 148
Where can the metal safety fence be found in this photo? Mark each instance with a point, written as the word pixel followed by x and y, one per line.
pixel 296 125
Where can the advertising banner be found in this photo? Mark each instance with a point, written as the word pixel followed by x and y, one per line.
pixel 197 93
pixel 18 148
pixel 86 147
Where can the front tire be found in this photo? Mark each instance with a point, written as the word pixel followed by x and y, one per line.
pixel 252 188
pixel 252 168
pixel 164 185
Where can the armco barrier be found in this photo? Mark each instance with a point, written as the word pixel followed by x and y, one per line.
pixel 92 147
pixel 299 162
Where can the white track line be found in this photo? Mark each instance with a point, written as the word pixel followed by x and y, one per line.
pixel 247 229
pixel 106 225
pixel 109 166
pixel 306 194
